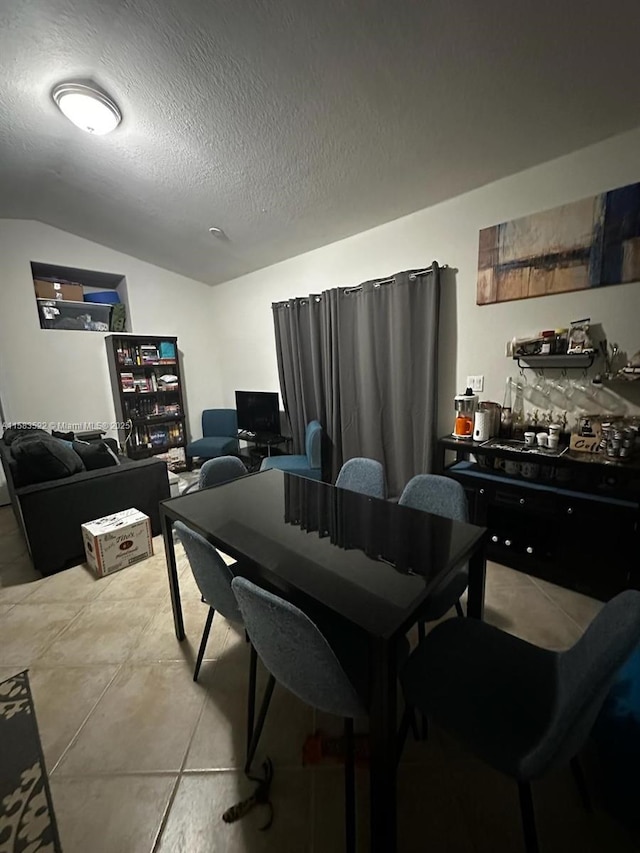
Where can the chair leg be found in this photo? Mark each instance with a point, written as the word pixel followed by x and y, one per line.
pixel 459 609
pixel 349 787
pixel 422 633
pixel 255 738
pixel 528 818
pixel 203 642
pixel 251 701
pixel 413 722
pixel 407 722
pixel 581 783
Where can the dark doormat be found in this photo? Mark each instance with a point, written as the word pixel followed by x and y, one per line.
pixel 27 820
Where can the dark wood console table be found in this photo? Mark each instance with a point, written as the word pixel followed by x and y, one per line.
pixel 573 520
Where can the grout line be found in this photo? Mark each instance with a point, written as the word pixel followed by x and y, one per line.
pixel 174 792
pixel 121 774
pixel 84 722
pixel 56 636
pixel 558 605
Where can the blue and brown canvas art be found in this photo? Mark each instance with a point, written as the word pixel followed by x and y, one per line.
pixel 589 243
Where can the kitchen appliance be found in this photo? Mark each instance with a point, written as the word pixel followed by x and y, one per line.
pixel 482 425
pixel 465 405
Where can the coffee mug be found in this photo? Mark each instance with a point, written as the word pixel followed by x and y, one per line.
pixel 542 438
pixel 530 470
pixel 554 429
pixel 553 442
pixel 529 439
pixel 511 467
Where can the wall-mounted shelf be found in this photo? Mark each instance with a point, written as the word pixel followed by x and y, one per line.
pixel 81 309
pixel 580 360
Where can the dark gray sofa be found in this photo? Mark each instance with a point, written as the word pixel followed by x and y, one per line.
pixel 50 513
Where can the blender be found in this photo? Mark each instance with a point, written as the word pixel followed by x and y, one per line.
pixel 466 405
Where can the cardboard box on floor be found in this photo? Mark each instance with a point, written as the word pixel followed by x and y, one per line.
pixel 117 541
pixel 58 290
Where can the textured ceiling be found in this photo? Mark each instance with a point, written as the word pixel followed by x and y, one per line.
pixel 293 123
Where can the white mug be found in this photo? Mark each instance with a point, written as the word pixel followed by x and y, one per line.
pixel 553 441
pixel 529 439
pixel 542 438
pixel 554 429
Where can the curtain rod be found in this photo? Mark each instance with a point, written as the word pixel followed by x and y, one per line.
pixel 412 277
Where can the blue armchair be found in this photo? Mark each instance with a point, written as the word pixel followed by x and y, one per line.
pixel 220 436
pixel 308 464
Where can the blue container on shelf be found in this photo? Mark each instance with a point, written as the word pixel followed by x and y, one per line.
pixel 104 297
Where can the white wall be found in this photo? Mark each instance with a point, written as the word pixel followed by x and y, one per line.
pixel 59 375
pixel 472 337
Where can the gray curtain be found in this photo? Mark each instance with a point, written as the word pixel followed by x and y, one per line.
pixel 363 361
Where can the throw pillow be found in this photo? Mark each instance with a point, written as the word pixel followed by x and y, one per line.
pixel 95 454
pixel 13 433
pixel 64 436
pixel 41 457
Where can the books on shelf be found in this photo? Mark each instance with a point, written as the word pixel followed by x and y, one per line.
pixel 146 355
pixel 149 354
pixel 126 381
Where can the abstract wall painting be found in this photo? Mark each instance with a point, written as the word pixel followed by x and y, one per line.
pixel 589 243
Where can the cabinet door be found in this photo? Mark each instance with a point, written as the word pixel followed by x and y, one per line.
pixel 599 545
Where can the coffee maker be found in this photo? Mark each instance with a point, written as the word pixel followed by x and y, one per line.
pixel 466 405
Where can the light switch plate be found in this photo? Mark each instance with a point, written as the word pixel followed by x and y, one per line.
pixel 476 383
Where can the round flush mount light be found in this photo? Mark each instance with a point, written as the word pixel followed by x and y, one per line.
pixel 87 107
pixel 216 232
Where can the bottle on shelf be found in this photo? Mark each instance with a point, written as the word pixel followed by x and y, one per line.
pixel 517 412
pixel 506 424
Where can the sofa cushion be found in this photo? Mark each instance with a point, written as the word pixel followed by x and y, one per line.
pixel 41 457
pixel 95 454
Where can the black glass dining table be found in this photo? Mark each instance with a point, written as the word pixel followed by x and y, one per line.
pixel 366 562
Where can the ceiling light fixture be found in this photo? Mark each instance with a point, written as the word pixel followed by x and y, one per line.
pixel 87 107
pixel 217 232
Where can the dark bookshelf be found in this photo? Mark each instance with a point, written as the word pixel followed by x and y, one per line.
pixel 151 410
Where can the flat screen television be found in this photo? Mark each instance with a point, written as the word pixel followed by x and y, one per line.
pixel 258 412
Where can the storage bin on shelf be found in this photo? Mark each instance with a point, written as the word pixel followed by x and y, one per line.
pixel 107 297
pixel 60 314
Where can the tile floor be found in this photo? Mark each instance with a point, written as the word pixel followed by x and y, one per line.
pixel 141 759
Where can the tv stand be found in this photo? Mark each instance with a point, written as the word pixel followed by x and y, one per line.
pixel 261 445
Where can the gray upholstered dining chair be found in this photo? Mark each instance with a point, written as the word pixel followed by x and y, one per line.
pixel 363 475
pixel 325 669
pixel 214 579
pixel 216 471
pixel 522 709
pixel 439 496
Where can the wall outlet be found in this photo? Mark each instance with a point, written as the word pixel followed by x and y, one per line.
pixel 476 383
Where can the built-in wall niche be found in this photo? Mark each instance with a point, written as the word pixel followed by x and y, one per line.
pixel 74 299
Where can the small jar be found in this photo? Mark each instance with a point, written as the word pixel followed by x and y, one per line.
pixel 548 343
pixel 560 340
